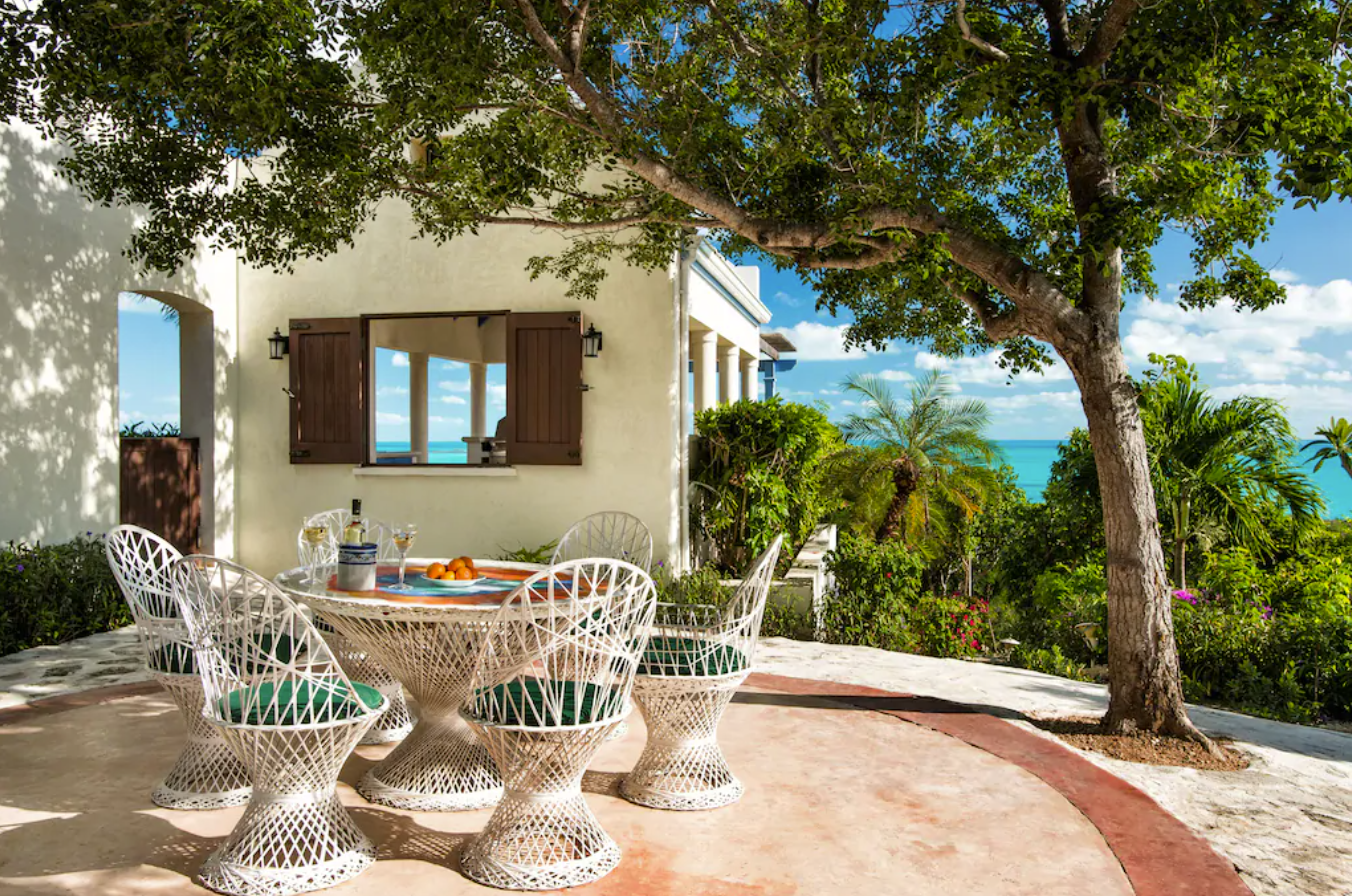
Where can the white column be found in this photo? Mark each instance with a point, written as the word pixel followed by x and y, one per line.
pixel 478 399
pixel 706 369
pixel 417 405
pixel 197 409
pixel 731 369
pixel 749 368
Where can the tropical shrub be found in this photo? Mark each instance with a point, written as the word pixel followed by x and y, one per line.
pixel 879 602
pixel 763 461
pixel 706 586
pixel 53 593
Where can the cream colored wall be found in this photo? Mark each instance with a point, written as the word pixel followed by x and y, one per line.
pixel 61 270
pixel 630 459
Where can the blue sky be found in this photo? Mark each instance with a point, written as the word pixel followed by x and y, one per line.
pixel 1299 352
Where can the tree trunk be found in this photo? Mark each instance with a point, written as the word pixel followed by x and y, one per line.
pixel 906 478
pixel 1145 690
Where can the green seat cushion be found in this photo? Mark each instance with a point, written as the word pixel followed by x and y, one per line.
pixel 532 703
pixel 177 659
pixel 690 657
pixel 271 703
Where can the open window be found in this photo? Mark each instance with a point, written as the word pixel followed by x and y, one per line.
pixel 469 389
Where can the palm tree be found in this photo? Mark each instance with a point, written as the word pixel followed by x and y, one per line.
pixel 932 448
pixel 1335 440
pixel 1220 467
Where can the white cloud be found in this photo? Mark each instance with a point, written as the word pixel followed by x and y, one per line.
pixel 399 360
pixel 986 370
pixel 391 419
pixel 1025 400
pixel 896 376
pixel 1307 406
pixel 1261 346
pixel 1331 376
pixel 392 390
pixel 497 393
pixel 452 399
pixel 829 392
pixel 790 300
pixel 454 385
pixel 451 420
pixel 820 342
pixel 166 399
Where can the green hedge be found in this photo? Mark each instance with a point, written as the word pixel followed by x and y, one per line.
pixel 53 593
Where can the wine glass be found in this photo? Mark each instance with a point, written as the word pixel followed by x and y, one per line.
pixel 315 531
pixel 404 535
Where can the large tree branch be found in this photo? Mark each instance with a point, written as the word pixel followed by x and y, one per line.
pixel 1046 312
pixel 1109 33
pixel 1058 27
pixel 999 324
pixel 986 48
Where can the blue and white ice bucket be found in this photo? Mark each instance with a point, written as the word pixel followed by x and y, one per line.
pixel 357 567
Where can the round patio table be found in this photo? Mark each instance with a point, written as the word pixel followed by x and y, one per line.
pixel 429 639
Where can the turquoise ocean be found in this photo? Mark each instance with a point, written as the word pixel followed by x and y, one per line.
pixel 1031 460
pixel 1032 463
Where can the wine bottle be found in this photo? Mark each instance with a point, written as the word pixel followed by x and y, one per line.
pixel 355 531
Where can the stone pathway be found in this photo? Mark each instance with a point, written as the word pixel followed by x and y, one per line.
pixel 1286 822
pixel 94 662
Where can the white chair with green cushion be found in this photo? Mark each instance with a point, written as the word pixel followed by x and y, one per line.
pixel 207 774
pixel 277 695
pixel 695 658
pixel 552 682
pixel 396 722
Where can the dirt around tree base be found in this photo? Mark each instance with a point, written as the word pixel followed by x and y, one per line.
pixel 1142 746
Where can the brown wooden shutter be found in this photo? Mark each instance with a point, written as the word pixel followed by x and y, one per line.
pixel 544 388
pixel 328 386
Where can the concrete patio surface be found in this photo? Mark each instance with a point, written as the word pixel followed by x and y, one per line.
pixel 1285 823
pixel 840 801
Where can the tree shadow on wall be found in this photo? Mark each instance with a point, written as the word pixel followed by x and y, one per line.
pixel 61 270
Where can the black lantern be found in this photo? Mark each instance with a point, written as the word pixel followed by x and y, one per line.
pixel 591 342
pixel 278 345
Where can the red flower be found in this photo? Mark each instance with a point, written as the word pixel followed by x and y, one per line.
pixel 889 575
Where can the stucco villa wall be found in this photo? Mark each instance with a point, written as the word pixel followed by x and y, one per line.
pixel 61 270
pixel 630 459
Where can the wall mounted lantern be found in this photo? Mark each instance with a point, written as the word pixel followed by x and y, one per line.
pixel 591 342
pixel 278 345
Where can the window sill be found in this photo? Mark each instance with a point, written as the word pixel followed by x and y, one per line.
pixel 410 470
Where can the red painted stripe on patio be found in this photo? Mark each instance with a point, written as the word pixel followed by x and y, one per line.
pixel 1160 855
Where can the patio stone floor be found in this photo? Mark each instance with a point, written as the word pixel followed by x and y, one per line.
pixel 1284 823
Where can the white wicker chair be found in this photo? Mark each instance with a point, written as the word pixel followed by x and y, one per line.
pixel 554 679
pixel 694 660
pixel 396 722
pixel 613 534
pixel 277 695
pixel 207 774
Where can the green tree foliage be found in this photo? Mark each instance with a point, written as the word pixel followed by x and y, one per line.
pixel 932 450
pixel 962 174
pixel 1334 442
pixel 1224 471
pixel 53 593
pixel 763 461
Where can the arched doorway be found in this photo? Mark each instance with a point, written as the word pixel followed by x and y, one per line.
pixel 197 366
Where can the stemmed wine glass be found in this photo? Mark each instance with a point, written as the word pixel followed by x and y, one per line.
pixel 315 532
pixel 403 535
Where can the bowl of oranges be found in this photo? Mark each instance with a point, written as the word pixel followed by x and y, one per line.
pixel 457 573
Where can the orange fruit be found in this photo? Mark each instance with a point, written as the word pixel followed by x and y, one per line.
pixel 464 572
pixel 455 565
pixel 435 570
pixel 468 561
